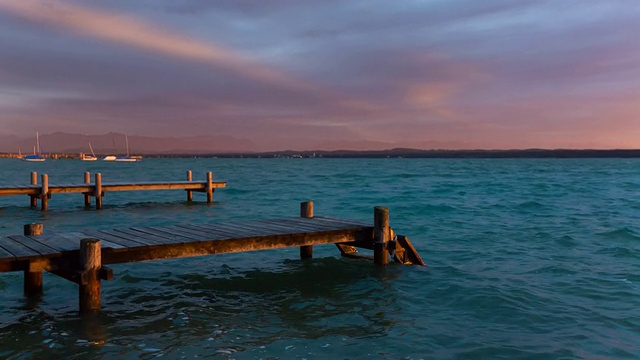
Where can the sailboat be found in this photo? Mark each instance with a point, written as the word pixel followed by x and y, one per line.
pixel 87 157
pixel 35 157
pixel 127 158
pixel 111 157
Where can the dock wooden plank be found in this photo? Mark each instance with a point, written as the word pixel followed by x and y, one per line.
pixel 196 233
pixel 4 254
pixel 37 246
pixel 270 227
pixel 204 234
pixel 310 224
pixel 120 240
pixel 232 228
pixel 218 230
pixel 286 227
pixel 149 239
pixel 18 250
pixel 173 237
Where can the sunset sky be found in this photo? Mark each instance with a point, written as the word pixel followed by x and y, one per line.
pixel 457 74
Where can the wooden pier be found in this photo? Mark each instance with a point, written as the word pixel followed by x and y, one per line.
pixel 82 256
pixel 98 188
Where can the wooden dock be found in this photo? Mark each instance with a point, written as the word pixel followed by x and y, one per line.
pixel 82 256
pixel 98 188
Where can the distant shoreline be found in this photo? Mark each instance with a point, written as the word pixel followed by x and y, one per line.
pixel 393 153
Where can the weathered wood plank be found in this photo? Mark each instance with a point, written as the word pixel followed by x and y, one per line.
pixel 210 233
pixel 232 245
pixel 18 250
pixel 310 224
pixel 196 234
pixel 220 231
pixel 172 237
pixel 37 246
pixel 142 237
pixel 233 229
pixel 5 255
pixel 119 239
pixel 288 227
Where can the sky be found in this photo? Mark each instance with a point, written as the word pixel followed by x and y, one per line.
pixel 326 74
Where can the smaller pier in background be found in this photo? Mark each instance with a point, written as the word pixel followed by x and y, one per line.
pixel 98 188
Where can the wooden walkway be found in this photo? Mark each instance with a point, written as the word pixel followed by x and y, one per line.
pixel 98 188
pixel 82 256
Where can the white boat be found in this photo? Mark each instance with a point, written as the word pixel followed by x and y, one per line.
pixel 109 158
pixel 127 158
pixel 87 157
pixel 35 157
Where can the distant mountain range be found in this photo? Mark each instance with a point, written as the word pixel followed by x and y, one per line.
pixel 227 146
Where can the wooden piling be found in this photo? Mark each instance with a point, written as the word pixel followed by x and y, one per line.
pixel 87 196
pixel 98 190
pixel 34 181
pixel 189 192
pixel 306 211
pixel 90 264
pixel 44 193
pixel 381 235
pixel 33 279
pixel 209 187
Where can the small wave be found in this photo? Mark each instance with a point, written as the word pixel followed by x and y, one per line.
pixel 624 233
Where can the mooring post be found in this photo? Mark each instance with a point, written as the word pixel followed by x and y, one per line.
pixel 87 196
pixel 34 181
pixel 306 211
pixel 98 190
pixel 44 193
pixel 32 279
pixel 189 192
pixel 90 264
pixel 381 235
pixel 209 187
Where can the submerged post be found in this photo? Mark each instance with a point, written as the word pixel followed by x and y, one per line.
pixel 189 192
pixel 34 181
pixel 32 279
pixel 381 235
pixel 209 187
pixel 98 191
pixel 90 264
pixel 44 193
pixel 306 211
pixel 87 196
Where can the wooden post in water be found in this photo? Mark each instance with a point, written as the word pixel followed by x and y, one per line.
pixel 381 235
pixel 34 181
pixel 189 192
pixel 90 264
pixel 87 196
pixel 306 211
pixel 98 190
pixel 32 279
pixel 209 187
pixel 44 193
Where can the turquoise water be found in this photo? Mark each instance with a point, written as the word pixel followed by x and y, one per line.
pixel 527 258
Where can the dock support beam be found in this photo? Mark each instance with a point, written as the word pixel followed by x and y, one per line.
pixel 306 211
pixel 33 279
pixel 98 191
pixel 209 187
pixel 34 181
pixel 44 193
pixel 87 196
pixel 381 235
pixel 189 192
pixel 90 264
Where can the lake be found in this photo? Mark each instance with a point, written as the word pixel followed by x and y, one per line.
pixel 527 258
